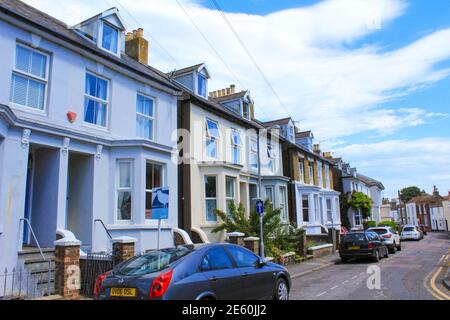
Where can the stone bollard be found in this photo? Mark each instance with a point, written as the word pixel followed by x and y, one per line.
pixel 67 268
pixel 302 250
pixel 252 244
pixel 123 248
pixel 236 238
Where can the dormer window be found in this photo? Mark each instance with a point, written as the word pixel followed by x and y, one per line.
pixel 110 38
pixel 291 135
pixel 246 111
pixel 201 86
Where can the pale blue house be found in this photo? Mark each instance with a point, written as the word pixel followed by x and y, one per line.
pixel 85 132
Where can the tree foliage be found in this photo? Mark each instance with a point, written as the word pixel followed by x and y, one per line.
pixel 278 238
pixel 408 193
pixel 361 201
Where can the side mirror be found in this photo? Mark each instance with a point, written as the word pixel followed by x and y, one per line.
pixel 261 263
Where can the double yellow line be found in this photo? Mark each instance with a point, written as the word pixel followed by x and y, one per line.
pixel 430 280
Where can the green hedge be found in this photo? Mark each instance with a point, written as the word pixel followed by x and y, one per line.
pixel 391 224
pixel 369 224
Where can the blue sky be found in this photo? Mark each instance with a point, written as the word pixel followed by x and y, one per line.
pixel 370 78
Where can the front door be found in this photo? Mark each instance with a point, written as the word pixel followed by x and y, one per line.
pixel 28 199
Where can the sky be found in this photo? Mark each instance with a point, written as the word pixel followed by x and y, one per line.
pixel 370 78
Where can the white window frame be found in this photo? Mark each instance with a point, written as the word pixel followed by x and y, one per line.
pixel 327 177
pixel 233 197
pixel 319 173
pixel 147 117
pixel 163 182
pixel 358 214
pixel 124 189
pixel 291 133
pixel 272 193
pixel 206 84
pixel 247 117
pixel 252 152
pixel 311 172
pixel 100 38
pixel 210 137
pixel 301 170
pixel 329 209
pixel 108 83
pixel 283 204
pixel 271 156
pixel 209 198
pixel 236 146
pixel 32 77
pixel 307 208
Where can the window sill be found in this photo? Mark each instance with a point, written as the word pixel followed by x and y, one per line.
pixel 28 109
pixel 95 127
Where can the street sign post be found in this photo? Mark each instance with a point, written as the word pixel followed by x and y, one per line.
pixel 160 207
pixel 260 211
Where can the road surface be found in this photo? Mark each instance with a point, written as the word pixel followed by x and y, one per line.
pixel 413 273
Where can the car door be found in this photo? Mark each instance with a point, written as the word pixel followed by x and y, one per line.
pixel 395 235
pixel 258 280
pixel 375 238
pixel 224 279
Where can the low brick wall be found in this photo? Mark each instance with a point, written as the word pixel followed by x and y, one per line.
pixel 317 237
pixel 321 251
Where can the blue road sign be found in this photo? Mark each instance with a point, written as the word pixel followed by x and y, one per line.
pixel 160 203
pixel 259 207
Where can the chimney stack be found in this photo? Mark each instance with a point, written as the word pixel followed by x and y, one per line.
pixel 136 46
pixel 223 92
pixel 316 148
pixel 435 191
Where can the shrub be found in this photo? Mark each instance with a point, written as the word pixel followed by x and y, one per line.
pixel 387 223
pixel 361 201
pixel 369 224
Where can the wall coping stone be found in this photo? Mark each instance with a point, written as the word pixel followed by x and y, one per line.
pixel 67 243
pixel 236 234
pixel 251 239
pixel 321 247
pixel 124 239
pixel 288 254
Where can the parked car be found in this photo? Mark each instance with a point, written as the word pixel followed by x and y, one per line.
pixel 204 272
pixel 411 232
pixel 362 244
pixel 390 237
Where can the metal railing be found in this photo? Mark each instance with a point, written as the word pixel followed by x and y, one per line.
pixel 27 221
pixel 104 227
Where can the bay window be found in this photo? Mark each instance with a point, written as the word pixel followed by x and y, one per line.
pixel 269 195
pixel 153 179
pixel 305 207
pixel 211 198
pixel 271 156
pixel 124 189
pixel 230 188
pixel 29 78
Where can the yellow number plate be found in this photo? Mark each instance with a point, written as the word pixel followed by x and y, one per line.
pixel 123 292
pixel 354 248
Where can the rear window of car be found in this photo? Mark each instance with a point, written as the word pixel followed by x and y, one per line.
pixel 353 237
pixel 409 229
pixel 379 231
pixel 152 262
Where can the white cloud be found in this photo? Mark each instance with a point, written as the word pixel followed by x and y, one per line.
pixel 399 163
pixel 308 54
pixel 327 79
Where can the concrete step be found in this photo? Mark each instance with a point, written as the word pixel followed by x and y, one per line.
pixel 34 253
pixel 38 264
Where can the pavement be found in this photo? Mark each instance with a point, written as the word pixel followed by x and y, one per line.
pixel 309 266
pixel 415 273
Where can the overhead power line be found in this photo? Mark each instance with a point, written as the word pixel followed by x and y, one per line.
pixel 153 39
pixel 247 51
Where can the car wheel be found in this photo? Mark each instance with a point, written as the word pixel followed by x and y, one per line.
pixel 399 248
pixel 282 290
pixel 376 258
pixel 386 254
pixel 393 249
pixel 344 260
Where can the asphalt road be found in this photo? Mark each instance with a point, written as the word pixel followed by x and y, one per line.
pixel 403 276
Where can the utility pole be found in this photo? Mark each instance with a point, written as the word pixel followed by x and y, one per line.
pixel 261 231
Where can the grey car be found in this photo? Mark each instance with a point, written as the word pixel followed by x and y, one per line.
pixel 205 272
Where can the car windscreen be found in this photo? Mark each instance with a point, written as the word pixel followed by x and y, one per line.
pixel 409 229
pixel 379 231
pixel 354 237
pixel 152 262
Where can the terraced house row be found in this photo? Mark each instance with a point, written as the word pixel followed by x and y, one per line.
pixel 88 129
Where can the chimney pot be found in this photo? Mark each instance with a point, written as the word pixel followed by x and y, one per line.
pixel 233 88
pixel 228 91
pixel 129 36
pixel 224 92
pixel 140 33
